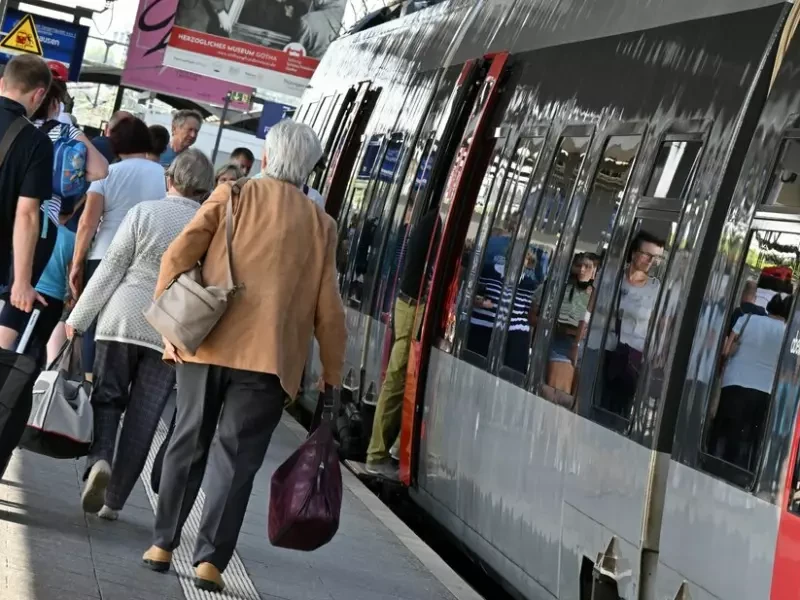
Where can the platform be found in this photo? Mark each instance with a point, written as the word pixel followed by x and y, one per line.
pixel 51 550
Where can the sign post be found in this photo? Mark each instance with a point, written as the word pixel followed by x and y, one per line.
pixel 221 126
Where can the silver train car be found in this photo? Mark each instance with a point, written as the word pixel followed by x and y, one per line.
pixel 602 394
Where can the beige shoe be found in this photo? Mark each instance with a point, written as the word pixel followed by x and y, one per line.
pixel 94 494
pixel 208 578
pixel 157 559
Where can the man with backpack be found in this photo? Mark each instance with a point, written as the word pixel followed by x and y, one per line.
pixel 75 163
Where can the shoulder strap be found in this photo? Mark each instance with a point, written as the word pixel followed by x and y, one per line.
pixel 50 125
pixel 746 321
pixel 10 135
pixel 236 189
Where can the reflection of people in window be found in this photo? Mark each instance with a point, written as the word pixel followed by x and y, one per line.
pixel 519 329
pixel 487 297
pixel 626 338
pixel 568 332
pixel 751 352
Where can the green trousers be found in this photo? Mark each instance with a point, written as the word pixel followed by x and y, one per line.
pixel 388 412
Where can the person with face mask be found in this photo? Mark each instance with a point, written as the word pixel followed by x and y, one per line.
pixel 185 129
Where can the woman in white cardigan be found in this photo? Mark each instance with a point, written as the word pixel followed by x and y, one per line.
pixel 130 375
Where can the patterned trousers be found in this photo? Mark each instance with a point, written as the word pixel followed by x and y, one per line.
pixel 134 380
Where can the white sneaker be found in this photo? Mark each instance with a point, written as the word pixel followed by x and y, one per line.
pixel 384 470
pixel 394 451
pixel 109 514
pixel 94 494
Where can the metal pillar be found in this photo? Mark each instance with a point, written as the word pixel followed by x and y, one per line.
pixel 221 127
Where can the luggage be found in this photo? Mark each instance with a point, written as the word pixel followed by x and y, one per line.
pixel 61 422
pixel 306 494
pixel 17 376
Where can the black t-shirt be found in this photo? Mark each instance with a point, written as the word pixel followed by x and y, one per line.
pixel 27 171
pixel 416 252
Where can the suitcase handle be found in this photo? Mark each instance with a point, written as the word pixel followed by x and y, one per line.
pixel 25 338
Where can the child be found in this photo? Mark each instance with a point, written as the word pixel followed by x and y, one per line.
pixel 53 286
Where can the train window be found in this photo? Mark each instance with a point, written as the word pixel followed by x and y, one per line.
pixel 369 238
pixel 748 363
pixel 594 235
pixel 350 215
pixel 485 202
pixel 322 115
pixel 394 256
pixel 674 169
pixel 631 318
pixel 328 126
pixel 784 188
pixel 539 250
pixel 502 232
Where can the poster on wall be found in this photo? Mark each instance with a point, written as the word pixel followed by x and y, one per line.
pixel 272 45
pixel 145 70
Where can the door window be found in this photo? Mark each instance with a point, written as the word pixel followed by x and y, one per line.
pixel 784 186
pixel 674 169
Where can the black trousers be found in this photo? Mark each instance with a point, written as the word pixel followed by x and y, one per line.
pixel 134 380
pixel 736 429
pixel 87 341
pixel 243 408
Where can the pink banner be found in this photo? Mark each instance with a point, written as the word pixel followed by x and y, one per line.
pixel 144 67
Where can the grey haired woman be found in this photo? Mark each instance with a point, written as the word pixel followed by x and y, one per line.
pixel 130 375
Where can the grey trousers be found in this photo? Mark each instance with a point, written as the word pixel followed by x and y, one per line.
pixel 243 408
pixel 134 380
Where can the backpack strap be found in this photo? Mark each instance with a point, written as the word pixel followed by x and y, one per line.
pixel 10 135
pixel 50 125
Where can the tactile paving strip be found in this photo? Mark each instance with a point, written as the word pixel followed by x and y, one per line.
pixel 238 585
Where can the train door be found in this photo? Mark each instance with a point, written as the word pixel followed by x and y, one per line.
pixel 461 190
pixel 346 148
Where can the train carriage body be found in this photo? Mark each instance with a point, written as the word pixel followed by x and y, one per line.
pixel 549 135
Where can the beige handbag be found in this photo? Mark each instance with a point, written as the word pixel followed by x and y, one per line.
pixel 187 311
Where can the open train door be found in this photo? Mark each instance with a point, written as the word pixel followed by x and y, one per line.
pixel 344 150
pixel 457 201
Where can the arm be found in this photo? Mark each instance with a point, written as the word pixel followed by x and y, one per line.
pixel 109 274
pixel 192 243
pixel 96 163
pixel 87 227
pixel 329 322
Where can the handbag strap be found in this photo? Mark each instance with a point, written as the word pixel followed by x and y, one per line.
pixel 236 189
pixel 10 135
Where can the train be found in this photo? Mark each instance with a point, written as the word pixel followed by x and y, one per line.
pixel 612 180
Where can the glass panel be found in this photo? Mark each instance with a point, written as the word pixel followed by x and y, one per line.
pixel 594 235
pixel 674 170
pixel 631 314
pixel 326 132
pixel 369 239
pixel 350 216
pixel 496 255
pixel 784 188
pixel 497 166
pixel 749 358
pixel 322 115
pixel 541 244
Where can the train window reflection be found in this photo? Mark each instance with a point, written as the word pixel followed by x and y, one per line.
pixel 631 315
pixel 748 364
pixel 674 169
pixel 487 298
pixel 369 237
pixel 597 222
pixel 494 173
pixel 539 250
pixel 784 188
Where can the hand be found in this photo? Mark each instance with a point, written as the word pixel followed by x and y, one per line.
pixel 171 353
pixel 321 384
pixel 76 280
pixel 225 21
pixel 69 330
pixel 23 296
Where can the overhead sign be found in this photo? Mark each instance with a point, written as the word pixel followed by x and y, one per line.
pixel 57 40
pixel 144 67
pixel 270 115
pixel 23 38
pixel 272 46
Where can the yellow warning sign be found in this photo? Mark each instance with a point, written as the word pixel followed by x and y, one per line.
pixel 23 38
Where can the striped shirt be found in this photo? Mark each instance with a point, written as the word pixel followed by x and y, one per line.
pixel 52 207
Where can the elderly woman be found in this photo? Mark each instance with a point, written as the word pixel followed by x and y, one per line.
pixel 131 376
pixel 283 258
pixel 228 173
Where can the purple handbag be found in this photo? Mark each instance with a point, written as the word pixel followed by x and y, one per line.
pixel 306 493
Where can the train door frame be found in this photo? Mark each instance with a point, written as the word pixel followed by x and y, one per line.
pixel 337 176
pixel 459 186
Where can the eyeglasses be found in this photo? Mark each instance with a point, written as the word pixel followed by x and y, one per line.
pixel 651 257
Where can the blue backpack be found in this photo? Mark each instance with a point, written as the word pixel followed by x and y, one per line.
pixel 69 164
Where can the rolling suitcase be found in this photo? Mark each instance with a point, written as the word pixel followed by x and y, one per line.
pixel 18 374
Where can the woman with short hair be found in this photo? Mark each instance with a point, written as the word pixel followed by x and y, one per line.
pixel 283 263
pixel 131 376
pixel 228 173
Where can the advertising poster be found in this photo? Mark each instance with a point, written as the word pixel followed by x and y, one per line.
pixel 272 45
pixel 60 40
pixel 144 67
